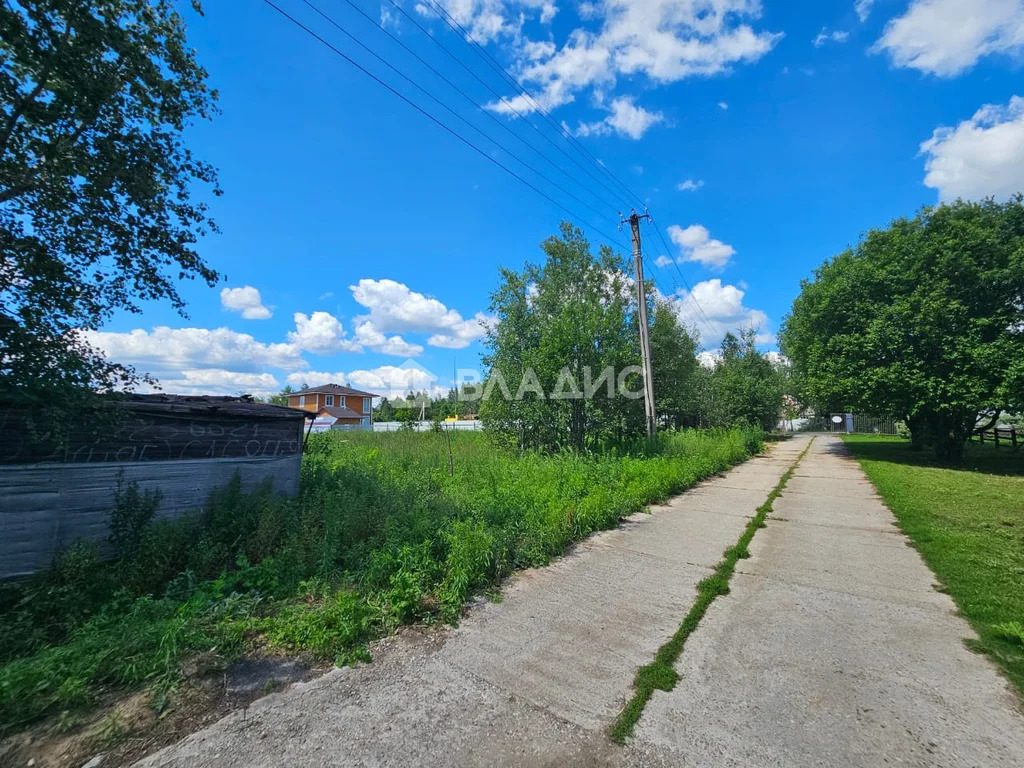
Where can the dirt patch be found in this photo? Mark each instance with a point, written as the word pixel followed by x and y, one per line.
pixel 125 727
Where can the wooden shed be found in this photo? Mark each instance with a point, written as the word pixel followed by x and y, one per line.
pixel 54 492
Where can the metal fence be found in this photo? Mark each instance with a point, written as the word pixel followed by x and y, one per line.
pixel 352 427
pixel 426 426
pixel 855 423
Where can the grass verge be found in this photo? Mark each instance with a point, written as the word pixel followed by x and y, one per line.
pixel 660 675
pixel 968 524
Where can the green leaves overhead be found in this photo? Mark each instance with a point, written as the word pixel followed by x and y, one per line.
pixel 96 187
pixel 923 320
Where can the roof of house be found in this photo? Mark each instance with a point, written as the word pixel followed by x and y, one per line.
pixel 340 413
pixel 333 389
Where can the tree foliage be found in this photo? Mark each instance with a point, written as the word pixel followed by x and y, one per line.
pixel 96 187
pixel 923 320
pixel 565 320
pixel 747 386
pixel 674 364
pixel 742 386
pixel 281 398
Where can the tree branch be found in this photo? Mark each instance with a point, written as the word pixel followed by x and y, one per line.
pixel 992 423
pixel 44 76
pixel 25 186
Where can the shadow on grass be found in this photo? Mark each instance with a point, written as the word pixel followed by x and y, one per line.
pixel 984 458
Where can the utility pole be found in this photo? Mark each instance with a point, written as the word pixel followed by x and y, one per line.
pixel 645 341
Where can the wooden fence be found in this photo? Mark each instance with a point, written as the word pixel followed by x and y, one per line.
pixel 1006 434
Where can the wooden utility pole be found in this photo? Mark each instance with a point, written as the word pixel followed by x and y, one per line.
pixel 645 341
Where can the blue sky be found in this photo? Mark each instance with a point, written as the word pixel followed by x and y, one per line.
pixel 763 136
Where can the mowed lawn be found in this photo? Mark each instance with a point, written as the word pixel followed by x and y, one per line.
pixel 968 524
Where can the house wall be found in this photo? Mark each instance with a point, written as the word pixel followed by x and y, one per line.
pixel 313 402
pixel 317 401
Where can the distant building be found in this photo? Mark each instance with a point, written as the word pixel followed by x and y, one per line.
pixel 333 404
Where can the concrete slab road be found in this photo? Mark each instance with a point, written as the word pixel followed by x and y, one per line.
pixel 833 648
pixel 533 680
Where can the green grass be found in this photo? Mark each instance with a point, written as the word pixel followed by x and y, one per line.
pixel 968 524
pixel 660 675
pixel 380 535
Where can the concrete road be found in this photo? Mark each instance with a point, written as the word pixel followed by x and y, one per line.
pixel 832 649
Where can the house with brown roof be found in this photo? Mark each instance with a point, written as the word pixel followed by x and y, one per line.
pixel 334 404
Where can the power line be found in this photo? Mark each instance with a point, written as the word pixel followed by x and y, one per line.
pixel 511 79
pixel 502 71
pixel 500 97
pixel 504 126
pixel 444 106
pixel 462 138
pixel 437 121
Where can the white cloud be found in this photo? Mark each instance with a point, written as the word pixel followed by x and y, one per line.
pixel 462 334
pixel 863 8
pixel 217 381
pixel 662 40
pixel 709 359
pixel 393 307
pixel 723 105
pixel 321 333
pixel 980 157
pixel 369 336
pixel 663 261
pixel 223 361
pixel 715 309
pixel 166 350
pixel 538 49
pixel 836 36
pixel 690 185
pixel 696 244
pixel 245 300
pixel 625 119
pixel 327 295
pixel 486 20
pixel 947 37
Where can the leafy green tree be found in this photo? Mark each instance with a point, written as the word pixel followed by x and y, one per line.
pixel 281 398
pixel 561 323
pixel 923 320
pixel 747 386
pixel 96 187
pixel 385 411
pixel 674 364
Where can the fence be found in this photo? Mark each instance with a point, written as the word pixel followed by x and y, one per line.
pixel 1006 434
pixel 856 423
pixel 426 426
